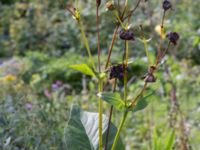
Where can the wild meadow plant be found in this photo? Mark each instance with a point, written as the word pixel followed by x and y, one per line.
pixel 88 131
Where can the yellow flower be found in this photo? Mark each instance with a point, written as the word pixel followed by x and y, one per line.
pixel 160 31
pixel 9 77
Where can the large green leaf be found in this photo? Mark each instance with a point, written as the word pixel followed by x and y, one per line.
pixel 113 99
pixel 81 132
pixel 84 68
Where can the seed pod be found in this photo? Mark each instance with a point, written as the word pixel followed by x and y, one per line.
pixel 98 2
pixel 110 5
pixel 173 37
pixel 126 35
pixel 149 78
pixel 167 5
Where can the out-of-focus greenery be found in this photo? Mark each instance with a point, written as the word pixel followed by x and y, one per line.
pixel 39 40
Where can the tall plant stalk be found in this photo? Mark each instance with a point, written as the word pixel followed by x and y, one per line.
pixel 110 117
pixel 119 130
pixel 100 83
pixel 125 73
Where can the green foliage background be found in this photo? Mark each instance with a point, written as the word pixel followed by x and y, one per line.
pixel 39 39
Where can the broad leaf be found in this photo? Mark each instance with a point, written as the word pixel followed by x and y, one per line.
pixel 84 68
pixel 113 99
pixel 81 132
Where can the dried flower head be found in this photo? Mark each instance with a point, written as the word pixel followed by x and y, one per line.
pixel 151 69
pixel 149 78
pixel 167 5
pixel 126 35
pixel 110 5
pixel 173 37
pixel 117 71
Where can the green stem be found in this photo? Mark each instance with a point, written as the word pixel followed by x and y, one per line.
pixel 162 23
pixel 118 18
pixel 125 72
pixel 98 37
pixel 145 45
pixel 111 46
pixel 146 50
pixel 119 130
pixel 110 117
pixel 85 40
pixel 100 81
pixel 100 116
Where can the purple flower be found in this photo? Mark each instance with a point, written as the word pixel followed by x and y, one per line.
pixel 56 85
pixel 47 93
pixel 28 106
pixel 58 82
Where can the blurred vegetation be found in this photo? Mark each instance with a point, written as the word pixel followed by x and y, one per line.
pixel 39 39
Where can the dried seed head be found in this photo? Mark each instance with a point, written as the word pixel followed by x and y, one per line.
pixel 173 37
pixel 98 2
pixel 151 69
pixel 167 5
pixel 110 5
pixel 149 78
pixel 117 71
pixel 126 35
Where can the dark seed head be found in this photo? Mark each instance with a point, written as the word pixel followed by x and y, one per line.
pixel 117 71
pixel 98 2
pixel 126 35
pixel 173 37
pixel 167 5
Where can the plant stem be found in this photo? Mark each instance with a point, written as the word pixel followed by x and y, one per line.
pixel 86 44
pixel 125 72
pixel 145 45
pixel 111 46
pixel 119 130
pixel 141 92
pixel 132 11
pixel 162 23
pixel 166 49
pixel 113 39
pixel 100 84
pixel 119 19
pixel 98 36
pixel 110 117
